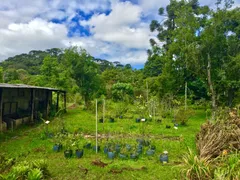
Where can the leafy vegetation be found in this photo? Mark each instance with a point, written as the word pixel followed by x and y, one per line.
pixel 191 75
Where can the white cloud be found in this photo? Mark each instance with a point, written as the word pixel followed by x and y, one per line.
pixel 123 26
pixel 121 35
pixel 37 34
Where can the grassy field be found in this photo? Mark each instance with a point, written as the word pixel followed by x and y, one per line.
pixel 30 143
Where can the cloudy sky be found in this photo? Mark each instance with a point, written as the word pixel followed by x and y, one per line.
pixel 116 30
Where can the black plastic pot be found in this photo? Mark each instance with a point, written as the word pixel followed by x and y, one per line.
pixel 57 147
pixel 153 147
pixel 122 156
pixel 134 156
pixel 150 152
pixel 111 155
pixel 88 146
pixel 111 120
pixel 68 153
pixel 139 151
pixel 168 127
pixel 140 141
pixel 163 158
pixel 117 148
pixel 79 153
pixel 105 150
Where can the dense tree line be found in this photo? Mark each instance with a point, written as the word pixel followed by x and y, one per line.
pixel 201 49
pixel 197 49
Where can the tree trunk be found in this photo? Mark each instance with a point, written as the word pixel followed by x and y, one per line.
pixel 212 91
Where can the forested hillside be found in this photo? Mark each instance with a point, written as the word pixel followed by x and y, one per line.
pixel 196 52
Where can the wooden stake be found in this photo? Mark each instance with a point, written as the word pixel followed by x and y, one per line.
pixel 185 95
pixel 103 110
pixel 96 127
pixel 1 113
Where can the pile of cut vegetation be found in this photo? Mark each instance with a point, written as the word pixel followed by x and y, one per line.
pixel 220 137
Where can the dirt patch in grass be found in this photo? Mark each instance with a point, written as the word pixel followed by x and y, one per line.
pixel 132 136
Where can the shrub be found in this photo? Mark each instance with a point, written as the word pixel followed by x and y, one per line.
pixel 182 116
pixel 195 167
pixel 35 170
pixel 5 163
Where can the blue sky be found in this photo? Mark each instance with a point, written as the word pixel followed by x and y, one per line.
pixel 116 30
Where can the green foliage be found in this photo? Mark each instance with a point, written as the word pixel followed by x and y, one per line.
pixel 34 174
pixel 1 74
pixel 5 163
pixel 122 91
pixel 34 170
pixel 84 71
pixel 182 116
pixel 196 168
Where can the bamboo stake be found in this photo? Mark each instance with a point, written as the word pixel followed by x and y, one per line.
pixel 96 127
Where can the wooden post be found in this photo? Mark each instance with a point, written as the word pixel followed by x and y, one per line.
pixel 1 107
pixel 32 104
pixel 147 90
pixel 96 127
pixel 103 110
pixel 185 95
pixel 47 103
pixel 57 101
pixel 65 101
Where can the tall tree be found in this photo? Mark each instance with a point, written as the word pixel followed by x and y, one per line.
pixel 84 71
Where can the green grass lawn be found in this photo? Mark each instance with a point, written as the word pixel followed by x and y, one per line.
pixel 28 144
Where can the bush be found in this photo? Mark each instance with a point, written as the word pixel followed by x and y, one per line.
pixel 35 170
pixel 5 163
pixel 195 167
pixel 182 116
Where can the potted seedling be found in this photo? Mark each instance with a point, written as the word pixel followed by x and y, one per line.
pixel 101 120
pixel 134 156
pixel 57 143
pixel 164 157
pixel 111 120
pixel 68 151
pixel 88 145
pixel 117 148
pixel 78 151
pixel 150 152
pixel 57 147
pixel 110 153
pixel 138 120
pixel 123 153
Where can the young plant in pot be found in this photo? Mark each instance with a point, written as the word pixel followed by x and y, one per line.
pixel 110 153
pixel 57 143
pixel 68 151
pixel 111 120
pixel 57 147
pixel 123 154
pixel 78 150
pixel 88 145
pixel 164 157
